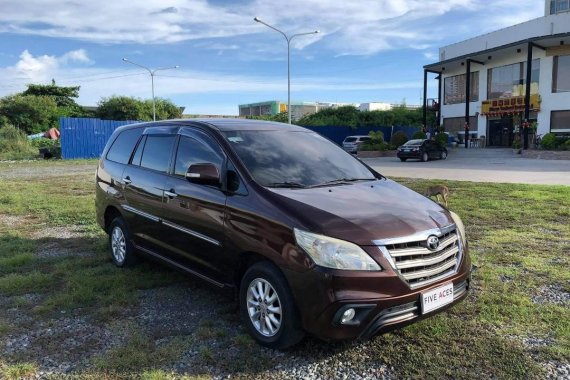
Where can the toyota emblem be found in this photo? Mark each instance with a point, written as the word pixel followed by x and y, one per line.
pixel 433 242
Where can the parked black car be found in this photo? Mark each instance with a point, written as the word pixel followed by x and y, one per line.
pixel 422 150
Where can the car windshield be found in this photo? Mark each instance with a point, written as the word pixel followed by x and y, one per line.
pixel 414 142
pixel 294 159
pixel 350 139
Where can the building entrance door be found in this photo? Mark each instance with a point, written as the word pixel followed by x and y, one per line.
pixel 501 132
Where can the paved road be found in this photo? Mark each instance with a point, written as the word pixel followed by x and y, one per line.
pixel 479 165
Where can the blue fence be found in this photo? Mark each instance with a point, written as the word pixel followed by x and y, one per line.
pixel 86 137
pixel 338 133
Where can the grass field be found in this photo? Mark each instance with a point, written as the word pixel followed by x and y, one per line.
pixel 61 298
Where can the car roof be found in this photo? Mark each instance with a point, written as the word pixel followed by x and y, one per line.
pixel 357 136
pixel 225 124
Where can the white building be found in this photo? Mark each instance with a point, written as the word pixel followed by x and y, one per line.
pixel 483 80
pixel 375 106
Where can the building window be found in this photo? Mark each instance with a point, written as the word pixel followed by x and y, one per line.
pixel 560 121
pixel 454 89
pixel 508 81
pixel 561 74
pixel 453 125
pixel 558 6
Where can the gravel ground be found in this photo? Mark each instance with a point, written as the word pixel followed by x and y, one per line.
pixel 54 168
pixel 215 341
pixel 552 294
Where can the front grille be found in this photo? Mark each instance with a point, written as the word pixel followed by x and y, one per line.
pixel 421 266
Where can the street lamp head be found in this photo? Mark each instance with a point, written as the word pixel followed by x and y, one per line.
pixel 257 19
pixel 126 60
pixel 317 31
pixel 177 66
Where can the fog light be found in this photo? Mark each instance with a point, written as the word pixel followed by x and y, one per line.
pixel 347 316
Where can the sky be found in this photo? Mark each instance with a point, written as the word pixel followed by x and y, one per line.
pixel 365 51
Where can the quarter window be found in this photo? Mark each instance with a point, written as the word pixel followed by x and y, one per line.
pixel 156 152
pixel 191 151
pixel 123 145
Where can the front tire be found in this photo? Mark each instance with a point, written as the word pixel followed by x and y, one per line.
pixel 403 159
pixel 443 155
pixel 122 249
pixel 267 307
pixel 425 157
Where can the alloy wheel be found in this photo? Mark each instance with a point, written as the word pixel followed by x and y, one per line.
pixel 118 244
pixel 264 307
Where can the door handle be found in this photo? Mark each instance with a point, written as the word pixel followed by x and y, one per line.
pixel 170 194
pixel 127 180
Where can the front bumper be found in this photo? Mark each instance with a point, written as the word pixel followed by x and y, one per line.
pixel 382 299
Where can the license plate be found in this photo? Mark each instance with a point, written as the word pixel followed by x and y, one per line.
pixel 407 150
pixel 436 298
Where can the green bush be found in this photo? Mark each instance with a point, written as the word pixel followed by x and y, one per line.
pixel 382 146
pixel 45 143
pixel 517 143
pixel 548 141
pixel 398 139
pixel 565 145
pixel 441 138
pixel 419 135
pixel 14 144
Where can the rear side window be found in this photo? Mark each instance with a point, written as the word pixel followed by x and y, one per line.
pixel 350 139
pixel 123 145
pixel 365 139
pixel 157 151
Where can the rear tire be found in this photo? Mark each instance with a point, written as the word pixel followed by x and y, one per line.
pixel 443 155
pixel 122 249
pixel 403 159
pixel 425 157
pixel 267 307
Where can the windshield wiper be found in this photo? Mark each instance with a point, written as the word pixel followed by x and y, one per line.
pixel 294 185
pixel 340 181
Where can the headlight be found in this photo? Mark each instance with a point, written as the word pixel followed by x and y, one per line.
pixel 334 253
pixel 460 226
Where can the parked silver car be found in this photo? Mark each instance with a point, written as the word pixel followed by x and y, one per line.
pixel 351 143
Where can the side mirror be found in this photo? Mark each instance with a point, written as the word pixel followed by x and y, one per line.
pixel 204 174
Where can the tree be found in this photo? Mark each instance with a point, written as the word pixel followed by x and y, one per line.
pixel 342 116
pixel 165 109
pixel 64 97
pixel 130 108
pixel 30 113
pixel 282 117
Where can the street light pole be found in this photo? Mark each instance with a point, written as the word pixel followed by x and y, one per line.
pixel 288 39
pixel 152 72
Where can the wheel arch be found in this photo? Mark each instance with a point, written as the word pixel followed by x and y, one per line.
pixel 111 212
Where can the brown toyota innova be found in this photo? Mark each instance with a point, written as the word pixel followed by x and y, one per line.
pixel 310 239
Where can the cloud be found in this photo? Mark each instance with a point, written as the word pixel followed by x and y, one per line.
pixel 348 28
pixel 32 68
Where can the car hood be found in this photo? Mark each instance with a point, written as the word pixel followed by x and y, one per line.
pixel 364 211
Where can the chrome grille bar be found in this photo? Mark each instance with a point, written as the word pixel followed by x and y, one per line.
pixel 419 265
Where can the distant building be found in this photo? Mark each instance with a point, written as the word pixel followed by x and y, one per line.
pixel 375 106
pixel 298 109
